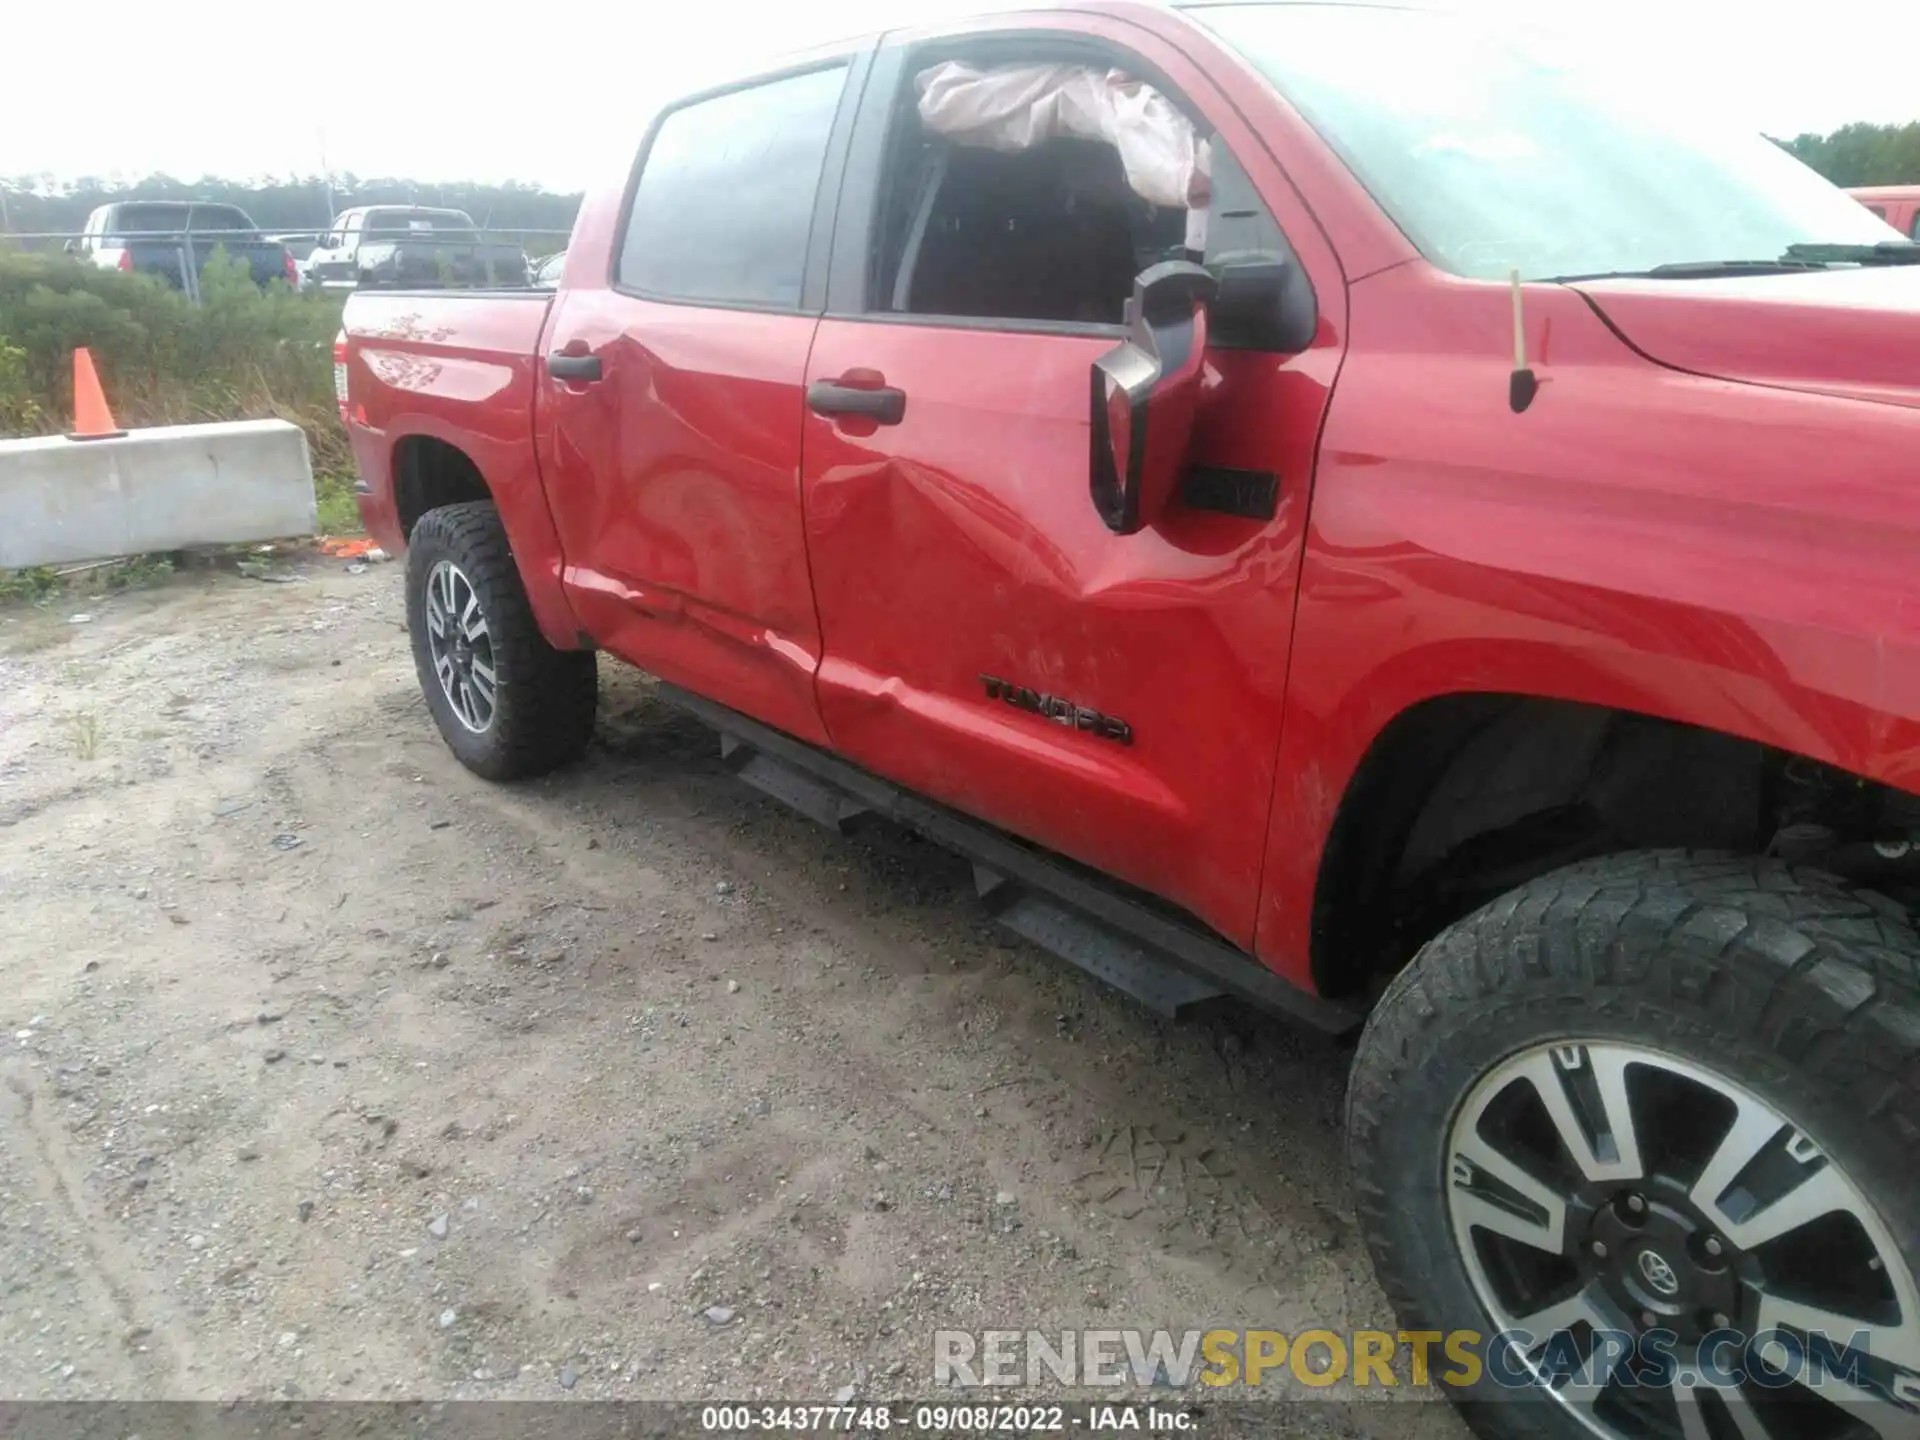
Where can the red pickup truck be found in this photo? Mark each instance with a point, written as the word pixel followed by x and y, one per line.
pixel 1323 508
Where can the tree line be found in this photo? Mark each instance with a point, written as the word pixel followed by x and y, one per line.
pixel 38 204
pixel 1862 154
pixel 1858 154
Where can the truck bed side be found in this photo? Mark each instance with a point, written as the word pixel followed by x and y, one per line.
pixel 440 395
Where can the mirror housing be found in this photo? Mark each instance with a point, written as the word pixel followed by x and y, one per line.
pixel 1145 392
pixel 1264 303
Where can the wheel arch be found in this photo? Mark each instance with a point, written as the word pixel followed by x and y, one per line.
pixel 1461 796
pixel 429 473
pixel 433 466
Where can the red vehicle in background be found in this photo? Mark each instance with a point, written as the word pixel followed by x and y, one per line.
pixel 1320 509
pixel 1898 205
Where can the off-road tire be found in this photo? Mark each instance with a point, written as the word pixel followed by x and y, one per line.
pixel 1797 986
pixel 544 698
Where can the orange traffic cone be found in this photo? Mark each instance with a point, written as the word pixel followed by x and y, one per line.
pixel 92 420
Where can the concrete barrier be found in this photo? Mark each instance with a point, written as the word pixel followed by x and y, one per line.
pixel 164 489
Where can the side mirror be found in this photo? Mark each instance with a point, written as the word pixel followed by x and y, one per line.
pixel 1264 303
pixel 1145 391
pixel 74 247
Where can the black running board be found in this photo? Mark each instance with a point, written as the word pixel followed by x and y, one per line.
pixel 1165 962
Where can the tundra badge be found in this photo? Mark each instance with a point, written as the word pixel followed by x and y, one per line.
pixel 1059 710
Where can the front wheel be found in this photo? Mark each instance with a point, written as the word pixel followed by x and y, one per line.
pixel 1651 1126
pixel 508 704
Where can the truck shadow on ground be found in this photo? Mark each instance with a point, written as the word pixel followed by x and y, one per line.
pixel 1217 1136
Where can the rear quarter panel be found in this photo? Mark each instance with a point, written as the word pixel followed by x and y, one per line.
pixel 462 369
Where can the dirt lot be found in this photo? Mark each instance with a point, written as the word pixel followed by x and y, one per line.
pixel 330 1070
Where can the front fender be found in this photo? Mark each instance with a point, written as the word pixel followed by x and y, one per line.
pixel 1734 557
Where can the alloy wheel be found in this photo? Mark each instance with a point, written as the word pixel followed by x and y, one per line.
pixel 461 646
pixel 1679 1258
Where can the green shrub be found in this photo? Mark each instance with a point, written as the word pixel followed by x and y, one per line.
pixel 243 353
pixel 19 409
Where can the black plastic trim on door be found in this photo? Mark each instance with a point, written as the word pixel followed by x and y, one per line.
pixel 826 200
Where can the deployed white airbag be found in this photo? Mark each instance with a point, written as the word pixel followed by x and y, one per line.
pixel 1016 107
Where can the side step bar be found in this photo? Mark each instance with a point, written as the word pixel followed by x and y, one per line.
pixel 1162 961
pixel 1096 949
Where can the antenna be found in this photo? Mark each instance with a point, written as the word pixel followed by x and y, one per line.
pixel 1523 384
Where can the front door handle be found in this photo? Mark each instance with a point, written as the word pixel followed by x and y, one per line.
pixel 882 404
pixel 562 366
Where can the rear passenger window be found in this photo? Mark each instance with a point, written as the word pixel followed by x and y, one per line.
pixel 725 200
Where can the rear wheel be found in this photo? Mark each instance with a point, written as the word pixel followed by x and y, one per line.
pixel 508 704
pixel 1656 1119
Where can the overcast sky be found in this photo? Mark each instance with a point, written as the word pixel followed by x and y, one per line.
pixel 545 91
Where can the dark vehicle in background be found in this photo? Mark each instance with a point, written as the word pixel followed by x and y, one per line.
pixel 403 245
pixel 155 237
pixel 300 244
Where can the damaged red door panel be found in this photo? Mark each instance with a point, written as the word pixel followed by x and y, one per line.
pixel 989 641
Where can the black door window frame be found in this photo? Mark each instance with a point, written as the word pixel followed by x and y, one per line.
pixel 813 286
pixel 854 282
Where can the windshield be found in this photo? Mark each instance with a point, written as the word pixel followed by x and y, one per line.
pixel 151 218
pixel 430 224
pixel 223 218
pixel 1494 160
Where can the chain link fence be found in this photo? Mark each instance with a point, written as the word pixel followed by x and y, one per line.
pixel 477 257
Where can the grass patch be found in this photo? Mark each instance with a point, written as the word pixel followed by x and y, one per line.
pixel 242 354
pixel 28 585
pixel 42 585
pixel 137 573
pixel 339 511
pixel 85 726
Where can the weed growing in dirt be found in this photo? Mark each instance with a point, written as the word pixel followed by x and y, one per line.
pixel 86 735
pixel 28 585
pixel 339 511
pixel 137 573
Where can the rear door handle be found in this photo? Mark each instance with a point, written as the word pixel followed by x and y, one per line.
pixel 562 366
pixel 884 405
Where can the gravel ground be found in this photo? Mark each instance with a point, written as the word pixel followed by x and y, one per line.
pixel 332 1071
